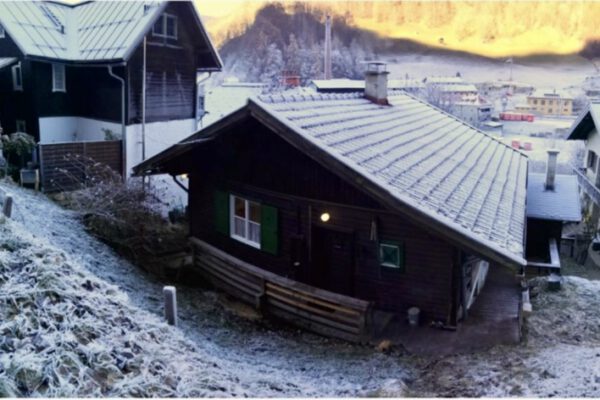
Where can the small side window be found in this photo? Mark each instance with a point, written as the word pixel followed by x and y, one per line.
pixel 58 78
pixel 17 77
pixel 391 255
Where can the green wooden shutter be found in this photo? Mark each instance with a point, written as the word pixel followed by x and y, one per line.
pixel 269 235
pixel 222 212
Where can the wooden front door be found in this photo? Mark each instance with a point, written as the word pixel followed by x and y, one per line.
pixel 332 266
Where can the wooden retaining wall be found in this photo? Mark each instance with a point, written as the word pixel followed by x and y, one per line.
pixel 54 160
pixel 317 310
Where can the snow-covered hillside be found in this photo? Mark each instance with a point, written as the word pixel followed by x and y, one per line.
pixel 77 320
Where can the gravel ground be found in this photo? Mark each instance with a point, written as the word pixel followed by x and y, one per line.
pixel 237 356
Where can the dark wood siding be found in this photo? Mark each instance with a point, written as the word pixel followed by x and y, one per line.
pixel 171 72
pixel 268 168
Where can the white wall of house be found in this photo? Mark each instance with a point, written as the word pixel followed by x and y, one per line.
pixel 74 129
pixel 159 136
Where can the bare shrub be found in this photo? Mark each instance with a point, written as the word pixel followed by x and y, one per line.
pixel 123 214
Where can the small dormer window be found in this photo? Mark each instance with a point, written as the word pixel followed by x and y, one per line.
pixel 165 27
pixel 58 78
pixel 2 32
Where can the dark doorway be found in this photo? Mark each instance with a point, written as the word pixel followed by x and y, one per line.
pixel 332 266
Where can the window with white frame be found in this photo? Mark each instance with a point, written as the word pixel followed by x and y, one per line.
pixel 2 32
pixel 20 125
pixel 58 78
pixel 17 77
pixel 165 27
pixel 245 221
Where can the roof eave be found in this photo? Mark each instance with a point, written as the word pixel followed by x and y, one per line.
pixel 154 165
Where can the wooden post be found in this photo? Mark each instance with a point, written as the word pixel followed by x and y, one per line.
pixel 7 208
pixel 170 294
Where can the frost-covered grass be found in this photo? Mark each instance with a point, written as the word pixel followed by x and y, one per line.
pixel 66 333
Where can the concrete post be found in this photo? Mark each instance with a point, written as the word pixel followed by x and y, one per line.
pixel 170 294
pixel 7 208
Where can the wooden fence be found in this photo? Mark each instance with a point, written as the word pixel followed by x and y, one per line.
pixel 59 173
pixel 317 310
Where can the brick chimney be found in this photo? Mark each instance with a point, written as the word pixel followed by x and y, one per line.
pixel 376 82
pixel 551 169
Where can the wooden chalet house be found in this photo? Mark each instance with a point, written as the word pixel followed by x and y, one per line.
pixel 319 207
pixel 85 71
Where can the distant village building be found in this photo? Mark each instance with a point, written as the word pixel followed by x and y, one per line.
pixel 85 71
pixel 506 87
pixel 550 103
pixel 475 113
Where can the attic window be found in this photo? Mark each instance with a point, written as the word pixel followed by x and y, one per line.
pixel 58 78
pixel 165 27
pixel 2 32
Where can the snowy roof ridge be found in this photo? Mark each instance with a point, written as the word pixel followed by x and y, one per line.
pixel 458 176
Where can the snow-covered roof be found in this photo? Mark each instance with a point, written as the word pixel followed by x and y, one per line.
pixel 359 84
pixel 6 61
pixel 560 204
pixel 551 94
pixel 458 88
pixel 444 80
pixel 84 32
pixel 587 121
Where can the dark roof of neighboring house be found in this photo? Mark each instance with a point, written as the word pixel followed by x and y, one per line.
pixel 411 156
pixel 560 204
pixel 93 31
pixel 586 122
